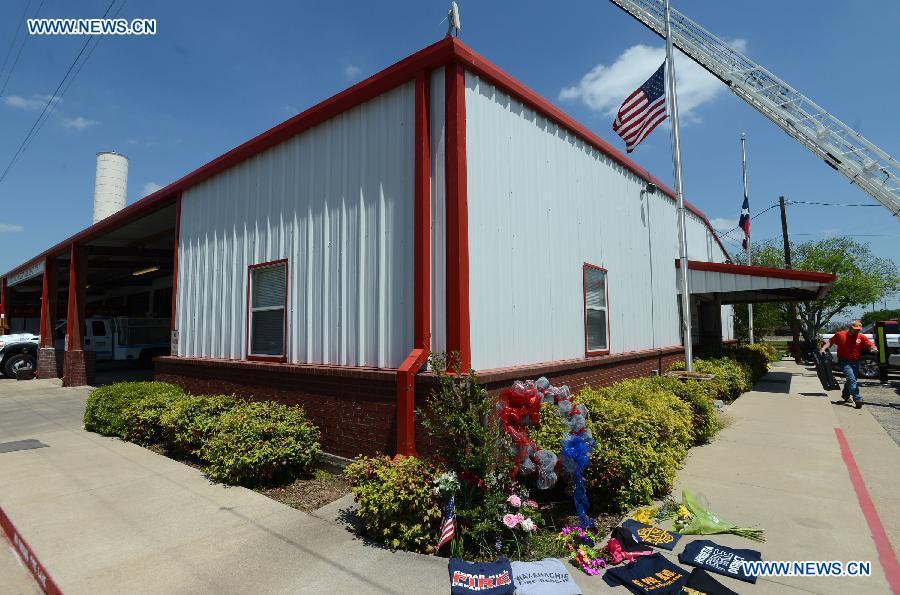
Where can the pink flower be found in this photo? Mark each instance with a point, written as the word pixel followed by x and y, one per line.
pixel 532 504
pixel 519 517
pixel 511 520
pixel 514 500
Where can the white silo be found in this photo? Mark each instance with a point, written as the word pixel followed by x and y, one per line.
pixel 111 185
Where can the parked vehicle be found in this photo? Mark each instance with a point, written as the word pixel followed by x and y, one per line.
pixel 868 362
pixel 18 352
pixel 122 338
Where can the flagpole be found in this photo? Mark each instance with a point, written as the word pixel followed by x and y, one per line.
pixel 679 196
pixel 747 236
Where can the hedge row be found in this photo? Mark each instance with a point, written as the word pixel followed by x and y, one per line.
pixel 240 442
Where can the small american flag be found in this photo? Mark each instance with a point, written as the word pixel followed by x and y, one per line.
pixel 448 527
pixel 643 110
pixel 744 222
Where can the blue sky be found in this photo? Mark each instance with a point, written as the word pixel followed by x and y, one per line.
pixel 218 73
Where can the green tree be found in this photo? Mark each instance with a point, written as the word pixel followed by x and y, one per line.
pixel 880 315
pixel 862 278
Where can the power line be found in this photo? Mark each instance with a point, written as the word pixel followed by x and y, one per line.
pixel 21 47
pixel 53 98
pixel 12 41
pixel 826 204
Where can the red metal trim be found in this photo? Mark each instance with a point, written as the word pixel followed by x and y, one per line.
pixel 584 268
pixel 49 294
pixel 757 271
pixel 4 301
pixel 406 374
pixel 27 555
pixel 175 262
pixel 458 330
pixel 268 358
pixel 75 306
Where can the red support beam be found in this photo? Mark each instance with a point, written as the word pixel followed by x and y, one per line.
pixel 75 314
pixel 49 295
pixel 406 373
pixel 4 306
pixel 458 332
pixel 175 263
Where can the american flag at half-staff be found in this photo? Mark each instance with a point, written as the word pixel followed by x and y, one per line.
pixel 448 527
pixel 643 110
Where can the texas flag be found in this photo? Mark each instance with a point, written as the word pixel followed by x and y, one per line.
pixel 744 222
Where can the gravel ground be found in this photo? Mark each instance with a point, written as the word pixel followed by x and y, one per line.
pixel 882 401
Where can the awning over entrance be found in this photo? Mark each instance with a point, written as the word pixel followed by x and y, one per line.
pixel 741 284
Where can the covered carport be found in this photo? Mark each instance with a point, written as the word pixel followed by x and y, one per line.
pixel 122 266
pixel 715 284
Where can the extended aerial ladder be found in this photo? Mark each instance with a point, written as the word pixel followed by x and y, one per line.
pixel 841 147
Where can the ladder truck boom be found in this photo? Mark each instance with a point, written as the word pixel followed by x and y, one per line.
pixel 841 147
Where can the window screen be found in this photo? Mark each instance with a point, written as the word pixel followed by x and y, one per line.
pixel 98 328
pixel 268 289
pixel 595 306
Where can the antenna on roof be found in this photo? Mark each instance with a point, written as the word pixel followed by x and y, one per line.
pixel 453 25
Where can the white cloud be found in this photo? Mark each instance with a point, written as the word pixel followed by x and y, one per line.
pixel 33 103
pixel 351 71
pixel 605 87
pixel 150 188
pixel 79 123
pixel 723 224
pixel 10 228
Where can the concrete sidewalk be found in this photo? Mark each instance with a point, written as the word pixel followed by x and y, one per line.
pixel 105 516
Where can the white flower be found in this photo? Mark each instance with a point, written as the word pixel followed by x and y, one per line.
pixel 528 526
pixel 446 484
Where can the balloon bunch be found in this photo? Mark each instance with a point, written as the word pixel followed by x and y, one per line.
pixel 519 407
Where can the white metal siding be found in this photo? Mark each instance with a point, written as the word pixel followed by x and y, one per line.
pixel 541 203
pixel 336 202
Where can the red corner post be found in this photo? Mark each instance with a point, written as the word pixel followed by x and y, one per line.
pixel 4 307
pixel 77 369
pixel 406 373
pixel 458 338
pixel 47 364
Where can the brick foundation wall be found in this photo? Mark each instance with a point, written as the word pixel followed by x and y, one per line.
pixel 50 362
pixel 355 408
pixel 79 368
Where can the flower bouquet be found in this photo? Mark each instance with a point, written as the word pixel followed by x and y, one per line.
pixel 692 518
pixel 582 550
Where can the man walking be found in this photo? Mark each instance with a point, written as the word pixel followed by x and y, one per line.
pixel 850 344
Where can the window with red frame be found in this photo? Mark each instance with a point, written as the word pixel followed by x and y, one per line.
pixel 596 310
pixel 268 293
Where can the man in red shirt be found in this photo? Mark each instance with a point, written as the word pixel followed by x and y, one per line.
pixel 850 344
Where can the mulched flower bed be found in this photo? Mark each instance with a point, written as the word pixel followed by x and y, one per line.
pixel 309 494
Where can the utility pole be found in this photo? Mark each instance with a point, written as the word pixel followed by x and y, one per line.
pixel 795 327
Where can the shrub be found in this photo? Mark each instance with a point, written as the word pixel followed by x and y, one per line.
pixel 396 503
pixel 643 432
pixel 189 422
pixel 699 395
pixel 731 377
pixel 755 357
pixel 549 435
pixel 261 442
pixel 106 405
pixel 141 418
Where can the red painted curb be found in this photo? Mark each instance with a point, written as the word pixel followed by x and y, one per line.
pixel 43 578
pixel 886 554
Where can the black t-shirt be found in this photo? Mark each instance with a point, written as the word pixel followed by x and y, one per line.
pixel 487 578
pixel 719 559
pixel 700 582
pixel 648 575
pixel 650 535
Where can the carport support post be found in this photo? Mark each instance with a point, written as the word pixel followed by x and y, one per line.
pixel 78 368
pixel 47 361
pixel 4 307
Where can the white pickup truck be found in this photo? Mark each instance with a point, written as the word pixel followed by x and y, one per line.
pixel 122 338
pixel 868 363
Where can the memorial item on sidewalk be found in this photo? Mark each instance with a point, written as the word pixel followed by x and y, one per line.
pixel 582 550
pixel 701 583
pixel 648 515
pixel 618 554
pixel 694 519
pixel 650 535
pixel 720 559
pixel 651 574
pixel 519 408
pixel 543 577
pixel 484 578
